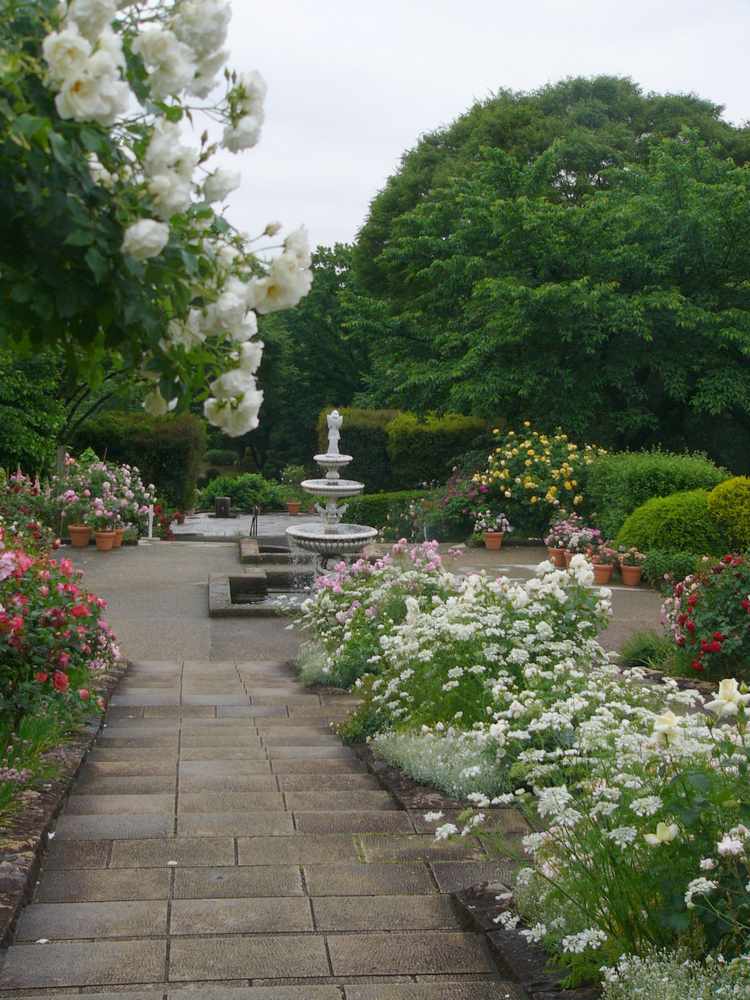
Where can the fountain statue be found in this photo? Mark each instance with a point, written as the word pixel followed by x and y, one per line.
pixel 331 536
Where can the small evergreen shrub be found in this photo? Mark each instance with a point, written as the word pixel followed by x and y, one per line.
pixel 380 509
pixel 245 491
pixel 664 567
pixel 221 456
pixel 617 484
pixel 424 451
pixel 729 502
pixel 646 649
pixel 681 522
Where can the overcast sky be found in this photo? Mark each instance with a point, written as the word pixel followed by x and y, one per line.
pixel 352 84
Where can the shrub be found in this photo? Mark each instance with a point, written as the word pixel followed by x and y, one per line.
pixel 245 491
pixel 380 509
pixel 663 568
pixel 221 456
pixel 530 475
pixel 708 617
pixel 669 975
pixel 646 649
pixel 168 450
pixel 363 435
pixel 424 451
pixel 681 522
pixel 729 503
pixel 617 484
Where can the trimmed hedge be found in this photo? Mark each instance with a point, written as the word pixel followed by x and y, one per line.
pixel 373 508
pixel 221 456
pixel 663 568
pixel 168 451
pixel 680 523
pixel 396 450
pixel 729 503
pixel 245 491
pixel 617 484
pixel 424 451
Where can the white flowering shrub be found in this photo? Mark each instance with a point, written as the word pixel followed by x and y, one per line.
pixel 353 607
pixel 672 976
pixel 112 237
pixel 649 847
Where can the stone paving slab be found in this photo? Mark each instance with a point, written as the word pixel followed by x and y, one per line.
pixel 64 854
pixel 135 785
pixel 234 824
pixel 389 913
pixel 435 991
pixel 366 801
pixel 323 782
pixel 120 827
pixel 420 846
pixel 226 801
pixel 241 916
pixel 315 766
pixel 116 805
pixel 92 920
pixel 383 821
pixel 368 880
pixel 101 886
pixel 210 851
pixel 264 993
pixel 258 957
pixel 238 882
pixel 301 849
pixel 102 963
pixel 434 952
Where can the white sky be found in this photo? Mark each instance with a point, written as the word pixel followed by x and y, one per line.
pixel 353 84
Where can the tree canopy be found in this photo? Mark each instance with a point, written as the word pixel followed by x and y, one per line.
pixel 578 256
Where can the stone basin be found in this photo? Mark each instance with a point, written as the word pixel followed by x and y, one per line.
pixel 347 539
pixel 332 487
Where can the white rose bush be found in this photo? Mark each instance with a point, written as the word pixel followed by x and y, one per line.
pixel 638 792
pixel 112 233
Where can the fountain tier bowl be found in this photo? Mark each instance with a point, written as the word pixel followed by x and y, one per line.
pixel 347 539
pixel 332 487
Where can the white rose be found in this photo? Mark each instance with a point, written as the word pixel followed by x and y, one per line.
pixel 297 244
pixel 169 63
pixel 206 73
pixel 244 135
pixel 272 229
pixel 283 287
pixel 187 333
pixel 146 238
pixel 171 194
pixel 250 355
pixel 66 53
pixel 99 173
pixel 203 25
pixel 220 183
pixel 251 90
pixel 234 418
pixel 247 330
pixel 236 382
pixel 91 16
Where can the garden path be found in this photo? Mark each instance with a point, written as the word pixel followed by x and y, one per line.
pixel 221 838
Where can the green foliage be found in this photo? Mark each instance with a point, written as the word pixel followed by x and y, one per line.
pixel 31 410
pixel 424 451
pixel 680 522
pixel 221 456
pixel 646 649
pixel 664 567
pixel 619 482
pixel 570 256
pixel 167 450
pixel 245 491
pixel 729 502
pixel 379 509
pixel 365 436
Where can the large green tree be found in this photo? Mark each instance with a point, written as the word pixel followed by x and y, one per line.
pixel 595 278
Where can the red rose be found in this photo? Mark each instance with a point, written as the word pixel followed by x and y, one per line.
pixel 696 665
pixel 79 610
pixel 84 694
pixel 60 681
pixel 41 676
pixel 690 626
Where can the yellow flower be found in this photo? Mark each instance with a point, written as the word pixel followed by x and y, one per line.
pixel 527 423
pixel 577 499
pixel 527 463
pixel 568 485
pixel 530 452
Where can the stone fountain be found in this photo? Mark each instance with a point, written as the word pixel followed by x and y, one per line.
pixel 330 536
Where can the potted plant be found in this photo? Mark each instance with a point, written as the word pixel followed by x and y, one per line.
pixel 119 530
pixel 76 509
pixel 556 540
pixel 604 560
pixel 631 566
pixel 492 527
pixel 291 477
pixel 582 540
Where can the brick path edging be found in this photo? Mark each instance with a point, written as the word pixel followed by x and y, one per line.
pixel 24 842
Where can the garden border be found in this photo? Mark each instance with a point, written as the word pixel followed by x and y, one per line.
pixel 24 842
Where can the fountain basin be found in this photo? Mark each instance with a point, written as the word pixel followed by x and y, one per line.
pixel 332 487
pixel 347 539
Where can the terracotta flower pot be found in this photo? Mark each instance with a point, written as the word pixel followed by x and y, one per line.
pixel 119 535
pixel 603 573
pixel 105 540
pixel 567 556
pixel 493 540
pixel 631 575
pixel 80 535
pixel 293 506
pixel 557 556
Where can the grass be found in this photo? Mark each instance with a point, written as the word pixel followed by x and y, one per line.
pixel 648 649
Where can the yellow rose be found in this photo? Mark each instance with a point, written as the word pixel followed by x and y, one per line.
pixel 577 499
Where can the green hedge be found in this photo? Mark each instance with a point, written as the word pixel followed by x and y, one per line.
pixel 729 503
pixel 424 451
pixel 245 491
pixel 396 450
pixel 617 484
pixel 679 523
pixel 373 508
pixel 663 567
pixel 167 450
pixel 221 456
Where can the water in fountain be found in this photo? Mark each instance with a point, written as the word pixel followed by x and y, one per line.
pixel 329 536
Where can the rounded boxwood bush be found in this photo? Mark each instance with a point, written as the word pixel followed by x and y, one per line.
pixel 681 522
pixel 244 491
pixel 729 503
